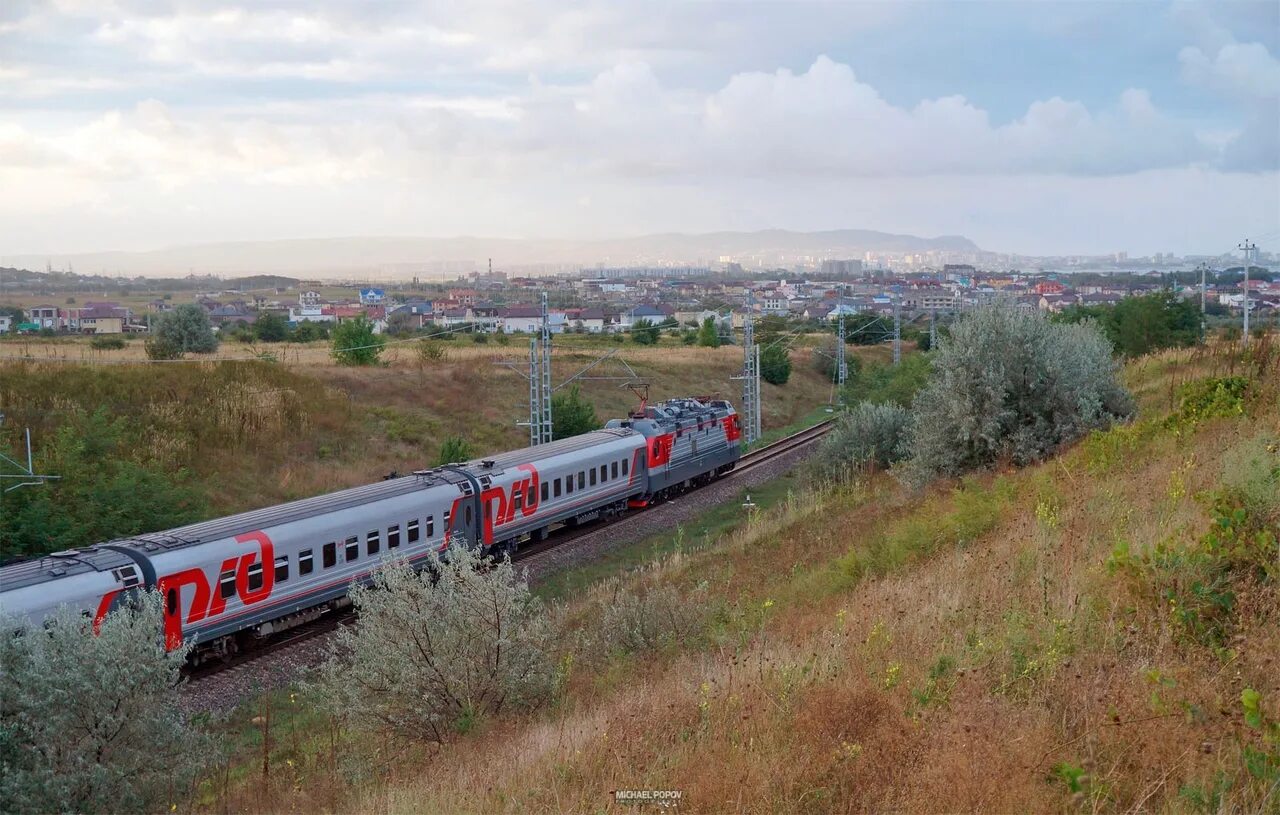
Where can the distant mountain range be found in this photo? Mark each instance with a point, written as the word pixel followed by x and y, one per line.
pixel 355 255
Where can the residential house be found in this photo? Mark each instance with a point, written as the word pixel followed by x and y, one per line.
pixel 413 313
pixel 6 323
pixel 590 320
pixel 230 314
pixel 372 297
pixel 654 314
pixel 521 318
pixel 46 316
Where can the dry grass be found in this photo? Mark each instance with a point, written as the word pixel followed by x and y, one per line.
pixel 256 434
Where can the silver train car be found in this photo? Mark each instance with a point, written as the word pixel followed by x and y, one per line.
pixel 229 581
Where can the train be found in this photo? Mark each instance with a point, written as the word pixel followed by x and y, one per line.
pixel 230 582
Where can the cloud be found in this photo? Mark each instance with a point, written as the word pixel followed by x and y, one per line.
pixel 1247 69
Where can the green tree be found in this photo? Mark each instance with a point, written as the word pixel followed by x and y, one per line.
pixel 644 332
pixel 271 326
pixel 775 363
pixel 866 329
pixel 454 449
pixel 93 723
pixel 186 328
pixel 708 334
pixel 572 414
pixel 354 342
pixel 439 649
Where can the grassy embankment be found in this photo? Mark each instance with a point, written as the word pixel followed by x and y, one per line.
pixel 249 434
pixel 1034 640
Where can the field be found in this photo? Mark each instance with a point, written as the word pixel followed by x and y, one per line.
pixel 244 433
pixel 1005 643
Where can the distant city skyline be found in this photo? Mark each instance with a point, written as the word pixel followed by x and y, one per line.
pixel 1037 128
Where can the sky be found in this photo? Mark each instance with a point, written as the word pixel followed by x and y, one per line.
pixel 1032 127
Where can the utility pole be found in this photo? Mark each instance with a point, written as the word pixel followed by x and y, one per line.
pixel 1203 268
pixel 933 328
pixel 1248 249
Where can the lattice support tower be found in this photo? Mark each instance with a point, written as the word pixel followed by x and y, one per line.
pixel 897 325
pixel 545 378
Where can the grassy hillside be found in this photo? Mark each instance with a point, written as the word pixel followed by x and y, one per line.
pixel 1096 633
pixel 239 435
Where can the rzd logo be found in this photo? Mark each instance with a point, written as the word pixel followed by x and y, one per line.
pixel 210 603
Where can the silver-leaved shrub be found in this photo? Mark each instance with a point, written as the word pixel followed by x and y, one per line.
pixel 92 723
pixel 1011 385
pixel 437 649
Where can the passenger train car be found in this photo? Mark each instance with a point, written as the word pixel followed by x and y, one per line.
pixel 229 581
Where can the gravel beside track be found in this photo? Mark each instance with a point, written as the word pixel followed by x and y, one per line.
pixel 222 692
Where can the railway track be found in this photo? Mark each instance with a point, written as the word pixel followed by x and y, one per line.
pixel 293 638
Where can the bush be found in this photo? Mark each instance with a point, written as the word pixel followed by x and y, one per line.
pixel 454 449
pixel 884 383
pixel 93 723
pixel 162 348
pixel 436 650
pixel 660 617
pixel 775 363
pixel 354 342
pixel 431 351
pixel 572 414
pixel 307 331
pixel 107 343
pixel 869 435
pixel 1251 471
pixel 1011 385
pixel 186 328
pixel 644 332
pixel 480 338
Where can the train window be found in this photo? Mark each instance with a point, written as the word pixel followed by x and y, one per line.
pixel 593 476
pixel 353 547
pixel 546 490
pixel 604 473
pixel 304 562
pixel 170 601
pixel 282 568
pixel 625 464
pixel 448 513
pixel 568 484
pixel 393 536
pixel 556 489
pixel 518 501
pixel 431 525
pixel 330 554
pixel 582 479
pixel 411 530
pixel 255 577
pixel 614 470
pixel 227 584
pixel 466 515
pixel 373 542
